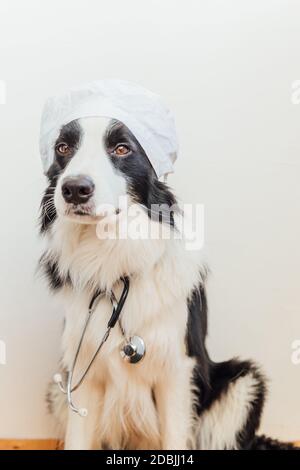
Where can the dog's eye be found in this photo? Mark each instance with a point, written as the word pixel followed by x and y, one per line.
pixel 63 149
pixel 121 150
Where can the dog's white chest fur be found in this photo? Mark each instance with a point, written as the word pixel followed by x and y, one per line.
pixel 128 401
pixel 127 396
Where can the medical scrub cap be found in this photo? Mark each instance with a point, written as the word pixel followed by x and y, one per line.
pixel 141 110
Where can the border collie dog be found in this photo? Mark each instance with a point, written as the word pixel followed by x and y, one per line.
pixel 176 397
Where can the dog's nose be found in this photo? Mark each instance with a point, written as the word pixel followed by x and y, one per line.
pixel 77 189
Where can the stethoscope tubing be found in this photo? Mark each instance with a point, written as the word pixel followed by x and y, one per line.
pixel 117 309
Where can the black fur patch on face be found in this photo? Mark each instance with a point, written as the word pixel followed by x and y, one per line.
pixel 70 134
pixel 143 185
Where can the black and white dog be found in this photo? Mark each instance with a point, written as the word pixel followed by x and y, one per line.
pixel 176 397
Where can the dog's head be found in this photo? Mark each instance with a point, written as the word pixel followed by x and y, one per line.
pixel 96 162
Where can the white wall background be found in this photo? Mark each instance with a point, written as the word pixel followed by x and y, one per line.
pixel 225 68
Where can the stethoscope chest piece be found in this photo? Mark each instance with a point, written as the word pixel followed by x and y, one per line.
pixel 134 350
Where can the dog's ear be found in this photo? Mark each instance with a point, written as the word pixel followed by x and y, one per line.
pixel 160 195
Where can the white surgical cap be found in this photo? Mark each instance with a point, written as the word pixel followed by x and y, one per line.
pixel 141 110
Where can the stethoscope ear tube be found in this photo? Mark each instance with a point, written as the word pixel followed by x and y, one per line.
pixel 117 309
pixel 118 306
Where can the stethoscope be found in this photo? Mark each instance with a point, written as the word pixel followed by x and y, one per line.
pixel 132 350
